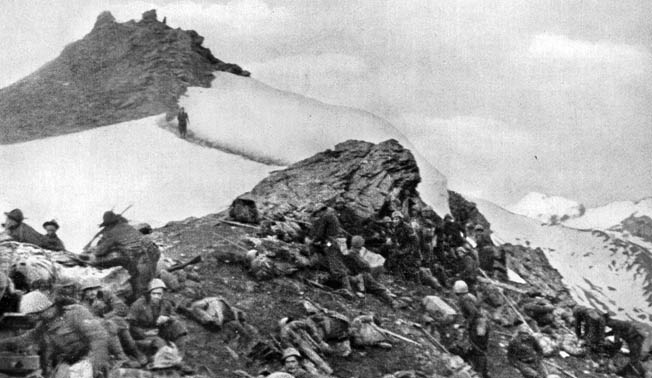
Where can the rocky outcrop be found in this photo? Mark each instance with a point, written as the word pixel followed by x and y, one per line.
pixel 640 226
pixel 117 72
pixel 465 211
pixel 361 180
pixel 533 266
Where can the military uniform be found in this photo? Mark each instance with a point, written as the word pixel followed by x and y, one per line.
pixel 114 313
pixel 589 325
pixel 24 233
pixel 325 230
pixel 525 353
pixel 358 266
pixel 53 243
pixel 69 338
pixel 478 329
pixel 123 245
pixel 142 319
pixel 628 332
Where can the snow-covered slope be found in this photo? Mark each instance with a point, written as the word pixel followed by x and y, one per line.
pixel 256 120
pixel 612 214
pixel 600 270
pixel 547 209
pixel 76 177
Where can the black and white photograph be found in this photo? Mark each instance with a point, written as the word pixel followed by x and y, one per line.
pixel 325 189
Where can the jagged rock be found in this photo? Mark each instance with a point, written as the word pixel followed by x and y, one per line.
pixel 150 15
pixel 465 211
pixel 105 18
pixel 533 266
pixel 356 178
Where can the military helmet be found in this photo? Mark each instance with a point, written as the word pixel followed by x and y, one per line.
pixel 34 302
pixel 289 352
pixel 478 227
pixel 357 241
pixel 397 214
pixel 156 283
pixel 460 287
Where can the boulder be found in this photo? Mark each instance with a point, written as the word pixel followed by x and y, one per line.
pixel 361 180
pixel 441 310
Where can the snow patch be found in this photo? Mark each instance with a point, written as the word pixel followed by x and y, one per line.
pixel 256 120
pixel 612 214
pixel 600 271
pixel 547 209
pixel 76 177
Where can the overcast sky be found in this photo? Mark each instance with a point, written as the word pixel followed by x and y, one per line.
pixel 503 97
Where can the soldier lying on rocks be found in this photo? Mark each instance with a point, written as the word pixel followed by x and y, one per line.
pixel 525 354
pixel 215 313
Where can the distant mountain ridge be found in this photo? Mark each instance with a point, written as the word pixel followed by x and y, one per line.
pixel 117 72
pixel 547 209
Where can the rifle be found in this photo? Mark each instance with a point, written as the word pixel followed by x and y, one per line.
pixel 88 245
pixel 175 267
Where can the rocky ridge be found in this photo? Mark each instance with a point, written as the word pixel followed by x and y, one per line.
pixel 117 72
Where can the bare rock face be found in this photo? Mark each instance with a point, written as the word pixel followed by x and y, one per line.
pixel 359 179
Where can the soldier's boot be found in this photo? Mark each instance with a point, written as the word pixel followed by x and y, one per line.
pixel 346 291
pixel 130 347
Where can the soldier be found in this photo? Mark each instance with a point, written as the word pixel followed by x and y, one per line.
pixel 486 250
pixel 360 267
pixel 123 245
pixel 66 334
pixel 54 243
pixel 633 336
pixel 477 326
pixel 306 337
pixel 467 266
pixel 182 119
pixel 540 309
pixel 22 232
pixel 593 330
pixel 152 321
pixel 453 232
pixel 292 364
pixel 405 256
pixel 525 353
pixel 106 305
pixel 325 230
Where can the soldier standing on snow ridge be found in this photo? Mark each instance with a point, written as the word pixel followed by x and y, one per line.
pixel 182 119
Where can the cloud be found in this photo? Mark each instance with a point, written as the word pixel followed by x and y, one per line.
pixel 552 46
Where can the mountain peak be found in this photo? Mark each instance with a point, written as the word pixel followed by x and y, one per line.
pixel 117 72
pixel 105 18
pixel 547 209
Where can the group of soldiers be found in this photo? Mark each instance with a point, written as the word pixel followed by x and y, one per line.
pixel 87 322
